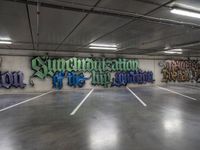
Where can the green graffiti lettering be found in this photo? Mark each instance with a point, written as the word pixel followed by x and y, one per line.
pixel 135 65
pixel 108 65
pixel 54 65
pixel 103 64
pixel 79 65
pixel 89 64
pixel 101 78
pixel 94 79
pixel 129 65
pixel 38 65
pixel 124 65
pixel 120 64
pixel 75 65
pixel 44 66
pixel 50 68
pixel 60 65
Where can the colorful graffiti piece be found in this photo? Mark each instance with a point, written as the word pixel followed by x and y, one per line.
pixel 101 78
pixel 57 80
pixel 135 77
pixel 73 79
pixel 44 66
pixel 101 71
pixel 12 79
pixel 181 71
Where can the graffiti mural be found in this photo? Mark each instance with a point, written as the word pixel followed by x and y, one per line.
pixel 73 79
pixel 44 66
pixel 139 77
pixel 101 78
pixel 181 71
pixel 12 79
pixel 100 70
pixel 76 79
pixel 57 80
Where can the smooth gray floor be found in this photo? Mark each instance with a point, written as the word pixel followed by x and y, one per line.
pixel 11 99
pixel 110 119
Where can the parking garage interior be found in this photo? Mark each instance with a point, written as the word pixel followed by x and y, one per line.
pixel 99 74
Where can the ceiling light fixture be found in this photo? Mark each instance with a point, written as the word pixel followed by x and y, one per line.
pixel 174 51
pixel 171 52
pixel 185 13
pixel 5 42
pixel 5 38
pixel 103 48
pixel 104 45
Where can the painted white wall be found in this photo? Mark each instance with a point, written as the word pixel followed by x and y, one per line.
pixel 23 63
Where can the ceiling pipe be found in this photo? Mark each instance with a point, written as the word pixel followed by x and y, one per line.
pixel 30 26
pixel 186 45
pixel 38 23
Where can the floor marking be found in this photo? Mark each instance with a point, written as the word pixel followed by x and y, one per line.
pixel 72 90
pixel 19 93
pixel 81 103
pixel 176 93
pixel 28 100
pixel 137 97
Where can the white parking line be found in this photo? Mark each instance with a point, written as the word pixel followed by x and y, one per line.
pixel 143 103
pixel 19 93
pixel 25 101
pixel 81 103
pixel 176 93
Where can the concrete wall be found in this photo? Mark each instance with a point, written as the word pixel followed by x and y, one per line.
pixel 23 63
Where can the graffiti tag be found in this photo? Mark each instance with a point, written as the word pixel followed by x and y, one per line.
pixel 12 79
pixel 181 71
pixel 135 77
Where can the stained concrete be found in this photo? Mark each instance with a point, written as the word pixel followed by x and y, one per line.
pixel 110 119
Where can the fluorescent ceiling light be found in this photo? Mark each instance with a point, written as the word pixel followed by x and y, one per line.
pixel 104 45
pixel 171 52
pixel 5 38
pixel 5 42
pixel 176 50
pixel 185 13
pixel 103 48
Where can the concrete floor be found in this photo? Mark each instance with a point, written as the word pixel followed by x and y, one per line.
pixel 110 119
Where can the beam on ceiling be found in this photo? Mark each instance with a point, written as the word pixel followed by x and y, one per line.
pixel 77 25
pixel 30 27
pixel 38 25
pixel 31 52
pixel 183 45
pixel 115 13
pixel 129 22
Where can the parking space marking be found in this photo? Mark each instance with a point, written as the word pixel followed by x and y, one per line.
pixel 162 88
pixel 19 93
pixel 143 103
pixel 25 101
pixel 81 103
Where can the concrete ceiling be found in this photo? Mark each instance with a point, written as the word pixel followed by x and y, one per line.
pixel 138 27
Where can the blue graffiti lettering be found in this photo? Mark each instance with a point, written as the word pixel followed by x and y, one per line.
pixel 57 80
pixel 137 77
pixel 9 79
pixel 73 79
pixel 76 79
